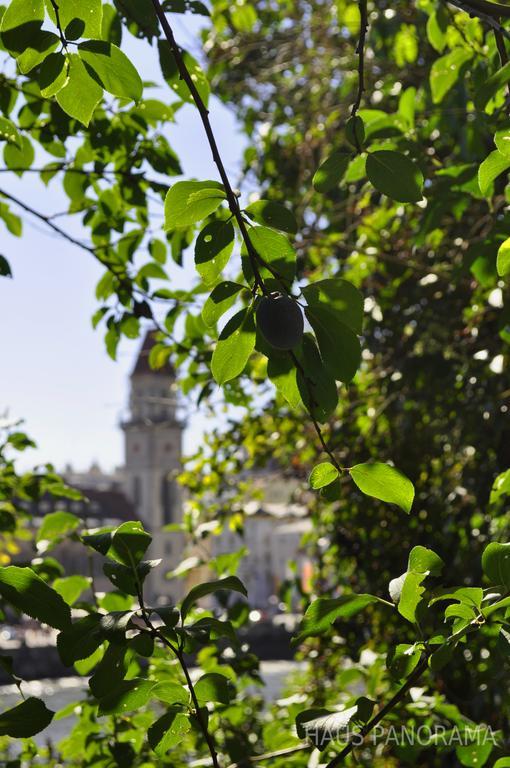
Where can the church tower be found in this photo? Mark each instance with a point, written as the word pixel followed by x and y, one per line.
pixel 153 449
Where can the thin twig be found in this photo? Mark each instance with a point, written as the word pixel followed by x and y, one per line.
pixel 369 727
pixel 156 633
pixel 360 50
pixel 56 9
pixel 490 13
pixel 232 200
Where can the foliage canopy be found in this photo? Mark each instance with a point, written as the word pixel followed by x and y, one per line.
pixel 379 154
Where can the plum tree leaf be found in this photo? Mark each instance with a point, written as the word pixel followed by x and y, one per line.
pixel 503 258
pixel 26 719
pixel 323 611
pixel 81 93
pixel 492 167
pixel 231 583
pixel 188 202
pixel 395 175
pixel 27 592
pixel 272 214
pixel 384 482
pixel 323 474
pixel 222 297
pixel 168 730
pixel 496 563
pixel 111 68
pixel 213 248
pixel 331 172
pixel 234 347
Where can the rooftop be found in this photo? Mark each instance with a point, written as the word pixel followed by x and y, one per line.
pixel 142 366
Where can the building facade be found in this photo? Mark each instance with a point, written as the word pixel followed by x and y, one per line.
pixel 145 489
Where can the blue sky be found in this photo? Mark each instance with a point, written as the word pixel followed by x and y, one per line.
pixel 55 373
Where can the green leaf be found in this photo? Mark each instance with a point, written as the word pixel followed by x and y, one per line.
pixel 26 719
pixel 171 74
pixel 9 132
pixel 324 728
pixel 500 487
pixel 323 474
pixel 54 527
pixel 234 347
pixel 151 270
pixel 24 590
pixel 231 583
pixel 491 86
pixel 41 46
pixel 130 695
pixel 496 564
pixel 111 68
pixel 331 172
pixel 171 693
pixel 79 18
pixel 492 167
pixel 19 158
pixel 70 588
pixel 423 560
pixel 503 259
pixel 188 202
pixel 321 613
pixel 272 214
pixel 126 579
pixel 21 22
pixel 472 596
pixel 437 25
pixel 13 224
pixel 340 297
pixel 445 72
pixel 283 374
pixel 411 595
pixel 221 299
pixel 384 482
pixel 81 94
pixel 355 131
pixel 81 639
pixel 212 687
pixel 395 175
pixel 407 590
pixel 168 731
pixel 475 755
pixel 53 74
pixel 339 346
pixel 403 660
pixel 316 386
pixel 5 269
pixel 129 544
pixel 213 248
pixel 440 658
pixel 110 671
pixel 99 541
pixel 502 141
pixel 114 626
pixel 275 250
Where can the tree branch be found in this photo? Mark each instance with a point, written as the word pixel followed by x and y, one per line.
pixel 490 13
pixel 369 727
pixel 178 654
pixel 204 116
pixel 360 50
